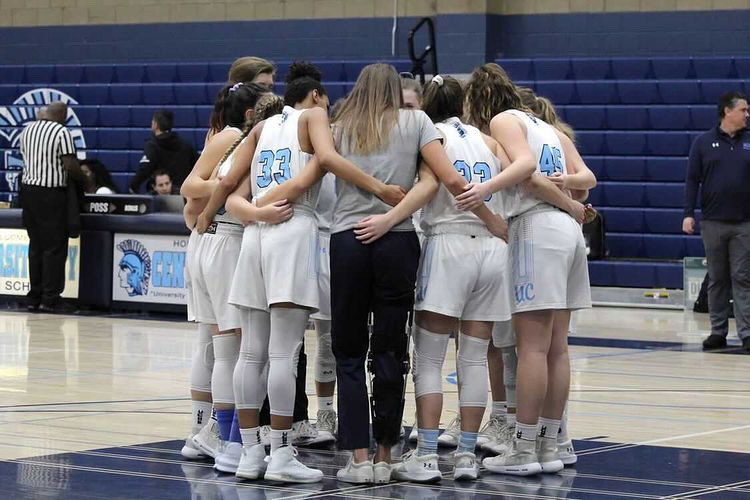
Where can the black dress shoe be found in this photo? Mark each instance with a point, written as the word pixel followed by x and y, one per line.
pixel 714 341
pixel 32 308
pixel 59 308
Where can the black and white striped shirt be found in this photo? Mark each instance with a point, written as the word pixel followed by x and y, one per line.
pixel 43 143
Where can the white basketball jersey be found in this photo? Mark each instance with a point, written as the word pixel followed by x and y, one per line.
pixel 223 169
pixel 470 155
pixel 546 148
pixel 279 157
pixel 326 202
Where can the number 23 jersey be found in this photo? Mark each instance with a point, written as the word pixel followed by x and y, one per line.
pixel 279 157
pixel 550 159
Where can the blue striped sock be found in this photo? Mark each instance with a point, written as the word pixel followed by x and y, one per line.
pixel 427 442
pixel 224 418
pixel 234 434
pixel 467 442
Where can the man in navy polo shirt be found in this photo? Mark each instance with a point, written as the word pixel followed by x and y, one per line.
pixel 720 164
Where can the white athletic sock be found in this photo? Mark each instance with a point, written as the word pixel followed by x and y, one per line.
pixel 325 404
pixel 499 409
pixel 201 415
pixel 250 436
pixel 279 438
pixel 548 428
pixel 562 434
pixel 526 432
pixel 510 419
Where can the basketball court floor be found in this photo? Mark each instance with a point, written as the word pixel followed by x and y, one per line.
pixel 97 407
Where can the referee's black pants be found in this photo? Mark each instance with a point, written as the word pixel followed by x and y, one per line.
pixel 379 277
pixel 45 219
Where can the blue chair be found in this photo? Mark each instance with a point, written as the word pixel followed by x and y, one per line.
pixel 121 180
pixel 517 69
pixel 115 161
pixel 666 68
pixel 551 69
pixel 213 89
pixel 74 91
pixel 115 116
pixel 713 89
pixel 625 245
pixel 126 93
pixel 665 169
pixel 623 220
pixel 679 91
pixel 91 137
pixel 67 73
pixel 619 194
pixel 663 220
pixel 161 73
pixel 193 73
pixel 8 93
pixel 197 137
pixel 138 137
pixel 714 67
pixel 98 73
pixel 12 74
pixel 141 116
pixel 601 273
pixel 190 93
pixel 559 92
pixel 87 115
pixel 161 94
pixel 597 166
pixel 627 117
pixel 114 138
pixel 134 160
pixel 338 71
pixel 663 195
pixel 670 117
pixel 596 92
pixel 662 246
pixel 631 68
pixel 668 143
pixel 694 246
pixel 638 92
pixel 596 196
pixel 203 115
pixel 625 168
pixel 40 74
pixel 218 71
pixel 703 117
pixel 130 73
pixel 634 274
pixel 594 68
pixel 625 143
pixel 742 66
pixel 584 117
pixel 184 116
pixel 590 143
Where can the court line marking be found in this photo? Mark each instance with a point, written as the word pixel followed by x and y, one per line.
pixel 154 400
pixel 653 405
pixel 659 375
pixel 715 489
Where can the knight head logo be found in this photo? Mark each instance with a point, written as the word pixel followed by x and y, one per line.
pixel 135 267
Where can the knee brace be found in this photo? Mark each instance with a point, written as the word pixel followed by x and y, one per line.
pixel 325 363
pixel 226 350
pixel 472 371
pixel 510 367
pixel 287 332
pixel 429 355
pixel 250 377
pixel 202 365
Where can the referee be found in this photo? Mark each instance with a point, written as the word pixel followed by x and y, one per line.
pixel 49 158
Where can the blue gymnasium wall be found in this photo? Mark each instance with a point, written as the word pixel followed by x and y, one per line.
pixel 463 40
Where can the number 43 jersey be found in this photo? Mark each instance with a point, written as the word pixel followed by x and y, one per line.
pixel 546 148
pixel 471 157
pixel 279 157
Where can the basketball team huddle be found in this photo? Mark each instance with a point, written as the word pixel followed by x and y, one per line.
pixel 299 212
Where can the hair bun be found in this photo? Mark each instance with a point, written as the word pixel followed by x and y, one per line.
pixel 302 69
pixel 438 80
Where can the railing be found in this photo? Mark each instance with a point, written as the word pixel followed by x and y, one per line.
pixel 418 62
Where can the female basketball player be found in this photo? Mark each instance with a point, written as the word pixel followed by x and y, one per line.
pixel 459 251
pixel 374 259
pixel 550 274
pixel 275 283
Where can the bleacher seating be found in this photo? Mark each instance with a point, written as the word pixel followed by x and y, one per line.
pixel 635 117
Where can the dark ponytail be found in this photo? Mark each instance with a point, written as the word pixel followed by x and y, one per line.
pixel 443 98
pixel 231 103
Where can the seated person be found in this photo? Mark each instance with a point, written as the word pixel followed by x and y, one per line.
pixel 98 179
pixel 164 150
pixel 162 184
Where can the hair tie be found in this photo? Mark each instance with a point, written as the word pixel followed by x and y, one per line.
pixel 236 86
pixel 438 79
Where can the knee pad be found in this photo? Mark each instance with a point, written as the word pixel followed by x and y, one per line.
pixel 325 363
pixel 250 377
pixel 510 367
pixel 429 356
pixel 226 350
pixel 287 332
pixel 472 371
pixel 202 365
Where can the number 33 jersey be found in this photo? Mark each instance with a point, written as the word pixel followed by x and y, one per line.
pixel 550 159
pixel 471 157
pixel 279 157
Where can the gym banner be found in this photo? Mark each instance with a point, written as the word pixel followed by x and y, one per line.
pixel 149 268
pixel 14 262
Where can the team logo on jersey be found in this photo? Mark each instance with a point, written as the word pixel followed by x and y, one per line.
pixel 23 111
pixel 135 267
